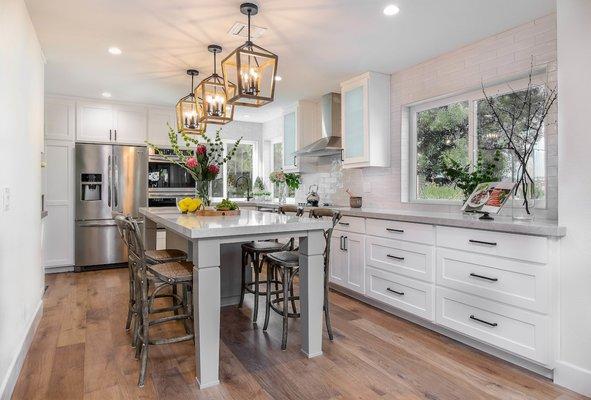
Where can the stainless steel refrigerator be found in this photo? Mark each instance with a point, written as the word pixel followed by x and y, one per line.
pixel 109 178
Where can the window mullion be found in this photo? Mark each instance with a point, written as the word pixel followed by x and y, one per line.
pixel 472 140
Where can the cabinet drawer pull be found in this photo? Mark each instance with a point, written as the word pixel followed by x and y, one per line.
pixel 394 257
pixel 481 242
pixel 344 223
pixel 395 291
pixel 483 277
pixel 395 230
pixel 483 321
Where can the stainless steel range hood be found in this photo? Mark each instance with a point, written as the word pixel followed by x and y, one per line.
pixel 330 142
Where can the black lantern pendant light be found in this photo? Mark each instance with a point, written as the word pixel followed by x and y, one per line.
pixel 251 69
pixel 212 96
pixel 187 120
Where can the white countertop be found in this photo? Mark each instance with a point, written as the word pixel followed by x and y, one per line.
pixel 249 222
pixel 538 227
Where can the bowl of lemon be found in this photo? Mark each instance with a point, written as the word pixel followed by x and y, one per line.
pixel 189 204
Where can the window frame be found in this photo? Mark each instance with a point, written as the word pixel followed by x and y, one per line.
pixel 255 167
pixel 472 97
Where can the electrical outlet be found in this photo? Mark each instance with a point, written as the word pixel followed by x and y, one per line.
pixel 6 199
pixel 366 187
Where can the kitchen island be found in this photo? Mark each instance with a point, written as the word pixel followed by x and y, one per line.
pixel 206 235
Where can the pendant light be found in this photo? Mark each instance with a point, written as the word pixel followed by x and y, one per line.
pixel 187 120
pixel 212 96
pixel 251 69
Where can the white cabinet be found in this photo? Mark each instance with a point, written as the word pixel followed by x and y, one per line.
pixel 108 122
pixel 60 117
pixel 158 121
pixel 58 244
pixel 131 124
pixel 365 120
pixel 347 264
pixel 301 126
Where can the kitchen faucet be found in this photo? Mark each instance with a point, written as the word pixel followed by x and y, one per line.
pixel 248 196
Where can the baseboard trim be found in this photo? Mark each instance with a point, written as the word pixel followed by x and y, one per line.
pixel 14 369
pixel 572 377
pixel 59 270
pixel 513 359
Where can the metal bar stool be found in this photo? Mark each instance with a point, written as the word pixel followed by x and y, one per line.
pixel 286 263
pixel 255 251
pixel 152 257
pixel 159 277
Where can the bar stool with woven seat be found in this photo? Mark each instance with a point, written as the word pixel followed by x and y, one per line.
pixel 153 279
pixel 255 251
pixel 152 257
pixel 286 264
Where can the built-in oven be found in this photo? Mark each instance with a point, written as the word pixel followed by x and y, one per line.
pixel 167 181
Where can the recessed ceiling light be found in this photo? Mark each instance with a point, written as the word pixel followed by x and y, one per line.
pixel 278 78
pixel 391 9
pixel 115 51
pixel 106 94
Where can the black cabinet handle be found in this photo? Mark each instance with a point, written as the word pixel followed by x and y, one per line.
pixel 395 230
pixel 483 277
pixel 295 163
pixel 115 134
pixel 483 321
pixel 395 291
pixel 342 247
pixel 481 242
pixel 344 223
pixel 345 242
pixel 394 257
pixel 110 135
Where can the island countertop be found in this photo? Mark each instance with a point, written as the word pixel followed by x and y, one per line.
pixel 537 227
pixel 249 222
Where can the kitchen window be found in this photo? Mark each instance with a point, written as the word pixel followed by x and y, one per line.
pixel 462 128
pixel 277 163
pixel 243 164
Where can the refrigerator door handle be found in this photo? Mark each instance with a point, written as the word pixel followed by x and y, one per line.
pixel 115 182
pixel 109 181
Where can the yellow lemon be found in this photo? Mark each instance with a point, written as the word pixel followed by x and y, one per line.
pixel 198 201
pixel 193 205
pixel 184 204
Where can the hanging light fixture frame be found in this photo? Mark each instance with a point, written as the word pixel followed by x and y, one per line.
pixel 187 119
pixel 251 69
pixel 211 95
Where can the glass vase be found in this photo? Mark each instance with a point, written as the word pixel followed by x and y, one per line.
pixel 203 190
pixel 282 193
pixel 523 198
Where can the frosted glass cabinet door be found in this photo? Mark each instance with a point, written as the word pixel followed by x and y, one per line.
pixel 289 139
pixel 354 123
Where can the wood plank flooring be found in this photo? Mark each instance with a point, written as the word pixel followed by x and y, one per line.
pixel 81 351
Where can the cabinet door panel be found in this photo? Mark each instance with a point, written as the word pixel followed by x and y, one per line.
pixel 289 139
pixel 337 266
pixel 95 121
pixel 354 123
pixel 131 125
pixel 158 121
pixel 59 119
pixel 355 246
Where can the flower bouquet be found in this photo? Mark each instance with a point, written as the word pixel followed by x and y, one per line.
pixel 205 163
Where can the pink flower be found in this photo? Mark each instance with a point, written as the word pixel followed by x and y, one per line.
pixel 192 162
pixel 214 169
pixel 201 149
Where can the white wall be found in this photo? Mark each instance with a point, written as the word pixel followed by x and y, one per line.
pixel 21 135
pixel 574 204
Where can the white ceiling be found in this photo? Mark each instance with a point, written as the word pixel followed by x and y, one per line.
pixel 319 42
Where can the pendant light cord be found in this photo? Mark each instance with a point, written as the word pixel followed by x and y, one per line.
pixel 214 64
pixel 249 42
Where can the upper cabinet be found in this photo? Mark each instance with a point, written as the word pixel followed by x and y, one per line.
pixel 60 117
pixel 159 118
pixel 301 126
pixel 107 122
pixel 365 119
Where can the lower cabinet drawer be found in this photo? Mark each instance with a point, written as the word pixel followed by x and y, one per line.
pixel 351 224
pixel 401 292
pixel 509 328
pixel 513 282
pixel 414 260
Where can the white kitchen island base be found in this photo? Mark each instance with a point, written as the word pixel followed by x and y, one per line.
pixel 207 235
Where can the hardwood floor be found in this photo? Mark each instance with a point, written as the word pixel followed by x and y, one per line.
pixel 81 351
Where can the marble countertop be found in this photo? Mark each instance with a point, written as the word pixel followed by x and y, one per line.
pixel 249 222
pixel 538 227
